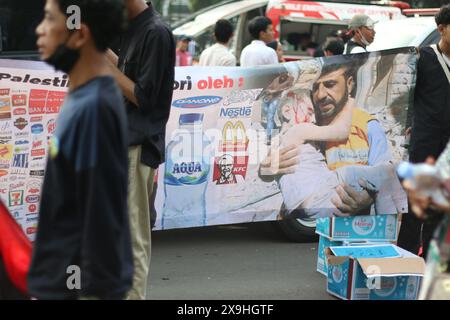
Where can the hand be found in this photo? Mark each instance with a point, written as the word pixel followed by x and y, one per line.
pixel 281 161
pixel 353 202
pixel 420 202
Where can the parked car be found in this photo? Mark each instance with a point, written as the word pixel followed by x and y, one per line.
pixel 292 20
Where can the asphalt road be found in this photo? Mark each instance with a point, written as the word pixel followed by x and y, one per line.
pixel 247 261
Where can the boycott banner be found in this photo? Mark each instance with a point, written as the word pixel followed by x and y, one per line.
pixel 227 136
pixel 231 129
pixel 31 95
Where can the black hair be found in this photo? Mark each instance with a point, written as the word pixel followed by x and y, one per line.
pixel 104 18
pixel 335 46
pixel 223 30
pixel 258 24
pixel 273 45
pixel 443 16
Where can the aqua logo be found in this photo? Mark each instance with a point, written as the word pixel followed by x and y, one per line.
pixel 196 102
pixel 187 168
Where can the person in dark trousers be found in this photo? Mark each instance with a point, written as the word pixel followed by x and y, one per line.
pixel 145 71
pixel 430 126
pixel 83 243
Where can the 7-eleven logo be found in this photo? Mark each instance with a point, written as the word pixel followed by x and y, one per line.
pixel 15 198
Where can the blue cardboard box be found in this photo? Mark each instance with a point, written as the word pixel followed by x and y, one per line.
pixel 369 277
pixel 324 243
pixel 359 228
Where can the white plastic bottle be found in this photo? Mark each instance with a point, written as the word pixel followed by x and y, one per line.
pixel 187 170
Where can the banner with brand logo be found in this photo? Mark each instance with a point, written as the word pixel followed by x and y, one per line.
pixel 31 95
pixel 242 144
pixel 293 140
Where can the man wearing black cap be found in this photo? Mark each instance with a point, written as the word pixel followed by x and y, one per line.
pixel 184 57
pixel 363 31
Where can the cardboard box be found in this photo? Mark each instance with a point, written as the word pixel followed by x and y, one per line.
pixel 359 228
pixel 374 275
pixel 324 243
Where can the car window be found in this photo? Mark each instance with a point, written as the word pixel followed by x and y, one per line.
pixel 433 38
pixel 293 33
pixel 18 21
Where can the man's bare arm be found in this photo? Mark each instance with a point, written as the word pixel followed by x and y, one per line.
pixel 279 162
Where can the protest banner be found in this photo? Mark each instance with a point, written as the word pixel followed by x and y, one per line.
pixel 346 114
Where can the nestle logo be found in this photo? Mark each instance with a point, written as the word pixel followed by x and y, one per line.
pixel 236 112
pixel 196 102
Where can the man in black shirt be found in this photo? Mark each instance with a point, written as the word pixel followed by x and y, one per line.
pixel 431 125
pixel 145 71
pixel 83 243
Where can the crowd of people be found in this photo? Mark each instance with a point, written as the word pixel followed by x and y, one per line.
pixel 95 199
pixel 359 35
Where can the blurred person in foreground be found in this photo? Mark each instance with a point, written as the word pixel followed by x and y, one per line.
pixel 219 55
pixel 430 125
pixel 83 243
pixel 438 258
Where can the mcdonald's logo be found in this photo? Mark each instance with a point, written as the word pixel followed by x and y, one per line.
pixel 234 137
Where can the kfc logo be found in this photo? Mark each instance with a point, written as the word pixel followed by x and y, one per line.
pixel 227 169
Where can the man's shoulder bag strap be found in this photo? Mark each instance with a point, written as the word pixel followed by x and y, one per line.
pixel 441 61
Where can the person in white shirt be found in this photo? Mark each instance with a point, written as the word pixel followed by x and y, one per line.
pixel 258 53
pixel 219 54
pixel 363 31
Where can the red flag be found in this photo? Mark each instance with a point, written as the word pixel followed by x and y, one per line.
pixel 15 249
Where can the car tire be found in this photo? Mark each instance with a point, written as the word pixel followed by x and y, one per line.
pixel 297 230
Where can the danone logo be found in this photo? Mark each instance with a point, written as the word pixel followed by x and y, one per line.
pixel 37 128
pixel 363 225
pixel 196 102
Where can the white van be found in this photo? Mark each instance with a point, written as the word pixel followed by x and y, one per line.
pixel 291 19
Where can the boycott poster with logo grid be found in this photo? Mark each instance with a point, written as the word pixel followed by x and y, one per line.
pixel 31 95
pixel 229 130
